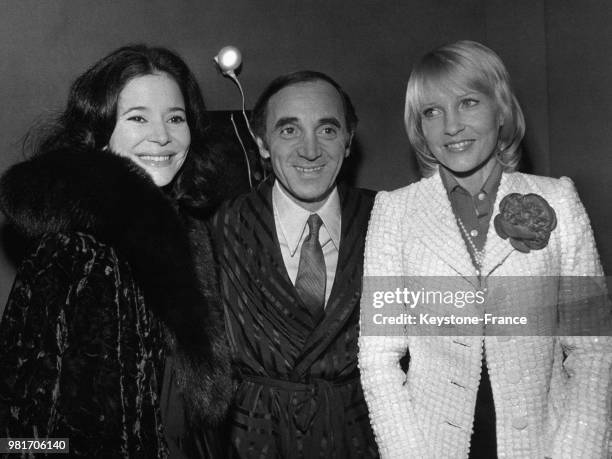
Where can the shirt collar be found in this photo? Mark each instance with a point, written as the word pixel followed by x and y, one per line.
pixel 292 218
pixel 489 187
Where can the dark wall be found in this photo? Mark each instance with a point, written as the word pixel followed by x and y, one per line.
pixel 368 46
pixel 580 108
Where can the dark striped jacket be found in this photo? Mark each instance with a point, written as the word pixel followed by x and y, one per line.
pixel 298 388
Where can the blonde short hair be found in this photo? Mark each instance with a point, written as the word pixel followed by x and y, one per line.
pixel 467 65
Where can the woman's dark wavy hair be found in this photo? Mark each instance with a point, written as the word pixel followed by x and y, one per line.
pixel 91 113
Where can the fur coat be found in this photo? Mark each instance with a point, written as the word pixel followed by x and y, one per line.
pixel 118 281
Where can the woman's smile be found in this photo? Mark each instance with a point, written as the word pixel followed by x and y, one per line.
pixel 157 160
pixel 460 146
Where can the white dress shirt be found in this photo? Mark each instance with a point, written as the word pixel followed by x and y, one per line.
pixel 291 224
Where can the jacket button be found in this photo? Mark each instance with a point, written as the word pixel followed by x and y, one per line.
pixel 519 423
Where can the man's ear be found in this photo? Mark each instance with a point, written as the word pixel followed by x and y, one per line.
pixel 347 149
pixel 263 148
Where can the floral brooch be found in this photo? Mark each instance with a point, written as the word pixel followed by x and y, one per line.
pixel 527 220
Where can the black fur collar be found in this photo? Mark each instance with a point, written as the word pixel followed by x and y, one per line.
pixel 112 198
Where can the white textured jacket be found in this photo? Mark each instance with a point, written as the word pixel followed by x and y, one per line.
pixel 545 406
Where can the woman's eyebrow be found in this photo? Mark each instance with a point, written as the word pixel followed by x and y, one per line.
pixel 129 109
pixel 143 108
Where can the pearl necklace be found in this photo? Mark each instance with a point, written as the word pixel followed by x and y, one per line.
pixel 479 255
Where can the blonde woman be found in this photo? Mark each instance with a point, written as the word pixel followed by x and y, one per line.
pixel 476 221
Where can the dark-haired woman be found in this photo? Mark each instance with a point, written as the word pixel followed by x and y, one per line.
pixel 120 279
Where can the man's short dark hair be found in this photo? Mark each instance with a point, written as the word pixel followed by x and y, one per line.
pixel 259 113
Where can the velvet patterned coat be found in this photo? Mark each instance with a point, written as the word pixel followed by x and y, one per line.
pixel 298 389
pixel 112 286
pixel 552 392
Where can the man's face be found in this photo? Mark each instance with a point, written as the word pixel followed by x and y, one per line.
pixel 306 140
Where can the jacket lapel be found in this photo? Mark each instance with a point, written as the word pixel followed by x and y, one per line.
pixel 266 219
pixel 355 216
pixel 268 267
pixel 497 249
pixel 439 229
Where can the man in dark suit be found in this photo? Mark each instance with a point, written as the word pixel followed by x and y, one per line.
pixel 291 255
